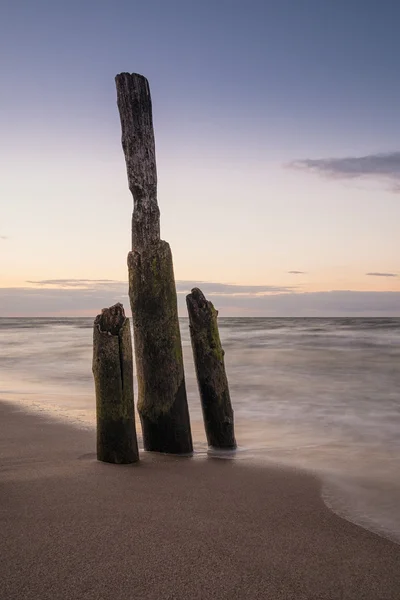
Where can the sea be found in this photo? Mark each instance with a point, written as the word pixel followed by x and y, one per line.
pixel 321 395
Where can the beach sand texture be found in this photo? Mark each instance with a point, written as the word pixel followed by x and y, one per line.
pixel 171 528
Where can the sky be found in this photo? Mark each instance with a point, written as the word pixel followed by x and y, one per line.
pixel 277 127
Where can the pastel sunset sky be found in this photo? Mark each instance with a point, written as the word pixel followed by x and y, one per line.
pixel 277 129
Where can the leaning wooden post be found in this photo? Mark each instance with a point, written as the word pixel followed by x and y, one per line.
pixel 162 402
pixel 210 371
pixel 113 378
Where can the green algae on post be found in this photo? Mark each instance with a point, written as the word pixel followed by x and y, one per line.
pixel 113 378
pixel 210 371
pixel 162 401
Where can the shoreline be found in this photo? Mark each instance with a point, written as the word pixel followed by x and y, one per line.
pixel 172 527
pixel 346 495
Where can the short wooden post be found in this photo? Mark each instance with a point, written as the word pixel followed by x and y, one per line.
pixel 113 378
pixel 210 371
pixel 162 402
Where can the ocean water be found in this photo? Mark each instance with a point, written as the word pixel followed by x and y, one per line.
pixel 318 394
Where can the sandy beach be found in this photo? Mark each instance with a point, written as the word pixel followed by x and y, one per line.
pixel 171 528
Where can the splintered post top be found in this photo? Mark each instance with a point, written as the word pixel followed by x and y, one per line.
pixel 135 110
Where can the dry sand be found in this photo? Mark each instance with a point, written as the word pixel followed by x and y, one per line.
pixel 170 528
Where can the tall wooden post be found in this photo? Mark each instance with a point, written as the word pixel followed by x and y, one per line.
pixel 210 370
pixel 113 378
pixel 162 402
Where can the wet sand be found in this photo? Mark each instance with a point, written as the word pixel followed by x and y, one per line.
pixel 171 528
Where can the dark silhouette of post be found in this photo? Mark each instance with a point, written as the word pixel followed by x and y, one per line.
pixel 113 377
pixel 210 370
pixel 162 402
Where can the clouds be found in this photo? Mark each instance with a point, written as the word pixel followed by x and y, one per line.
pixel 182 286
pixel 384 167
pixel 226 289
pixel 47 301
pixel 3 237
pixel 315 304
pixel 90 284
pixel 297 272
pixel 379 274
pixel 230 300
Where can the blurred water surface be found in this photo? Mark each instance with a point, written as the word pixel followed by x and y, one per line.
pixel 321 394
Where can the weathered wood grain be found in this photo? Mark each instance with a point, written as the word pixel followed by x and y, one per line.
pixel 135 110
pixel 113 377
pixel 210 370
pixel 162 402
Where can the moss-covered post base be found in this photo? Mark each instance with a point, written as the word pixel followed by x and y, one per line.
pixel 168 433
pixel 113 378
pixel 210 370
pixel 162 402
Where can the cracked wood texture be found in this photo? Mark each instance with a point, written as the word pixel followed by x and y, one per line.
pixel 162 401
pixel 210 371
pixel 135 110
pixel 113 378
